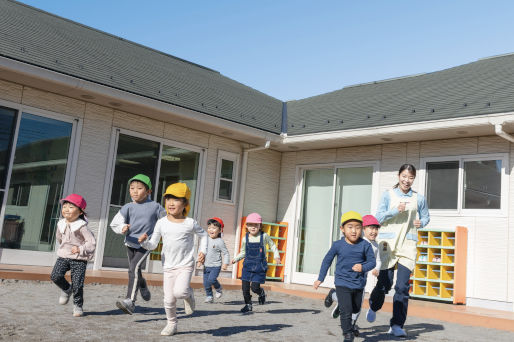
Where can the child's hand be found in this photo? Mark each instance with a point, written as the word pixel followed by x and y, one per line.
pixel 224 267
pixel 142 237
pixel 277 261
pixel 233 261
pixel 201 257
pixel 125 229
pixel 75 250
pixel 357 268
pixel 375 272
pixel 317 283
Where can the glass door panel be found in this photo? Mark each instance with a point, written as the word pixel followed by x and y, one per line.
pixel 315 220
pixel 133 156
pixel 36 184
pixel 7 127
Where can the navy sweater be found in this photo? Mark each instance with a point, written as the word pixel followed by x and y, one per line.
pixel 347 256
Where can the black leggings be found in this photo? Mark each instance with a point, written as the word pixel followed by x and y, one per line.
pixel 256 288
pixel 349 301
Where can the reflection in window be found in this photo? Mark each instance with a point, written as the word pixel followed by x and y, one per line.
pixel 442 184
pixel 482 184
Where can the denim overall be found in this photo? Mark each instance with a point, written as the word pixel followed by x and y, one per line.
pixel 255 264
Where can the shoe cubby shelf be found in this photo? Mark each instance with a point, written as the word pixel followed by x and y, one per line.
pixel 278 233
pixel 440 271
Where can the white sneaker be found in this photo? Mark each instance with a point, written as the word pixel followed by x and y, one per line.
pixel 64 297
pixel 189 303
pixel 397 331
pixel 371 316
pixel 208 299
pixel 169 329
pixel 219 293
pixel 77 311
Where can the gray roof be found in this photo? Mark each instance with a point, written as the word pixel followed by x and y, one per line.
pixel 36 37
pixel 482 87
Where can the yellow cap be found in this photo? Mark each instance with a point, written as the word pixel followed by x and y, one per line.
pixel 350 215
pixel 179 190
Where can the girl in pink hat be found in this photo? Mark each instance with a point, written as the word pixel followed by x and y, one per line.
pixel 255 265
pixel 76 246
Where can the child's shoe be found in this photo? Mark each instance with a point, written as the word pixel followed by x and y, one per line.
pixel 335 311
pixel 397 331
pixel 371 316
pixel 77 311
pixel 247 308
pixel 126 305
pixel 262 297
pixel 208 299
pixel 145 292
pixel 356 331
pixel 348 337
pixel 169 329
pixel 219 293
pixel 328 298
pixel 189 303
pixel 64 297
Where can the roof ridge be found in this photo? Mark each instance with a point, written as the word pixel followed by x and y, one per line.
pixel 113 36
pixel 496 56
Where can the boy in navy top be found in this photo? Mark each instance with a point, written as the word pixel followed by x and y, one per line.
pixel 355 258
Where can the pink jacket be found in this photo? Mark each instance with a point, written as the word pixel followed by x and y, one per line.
pixel 77 234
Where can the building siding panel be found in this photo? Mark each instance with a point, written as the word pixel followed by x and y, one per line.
pixel 53 102
pixel 10 91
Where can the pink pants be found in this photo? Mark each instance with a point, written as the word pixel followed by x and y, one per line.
pixel 176 285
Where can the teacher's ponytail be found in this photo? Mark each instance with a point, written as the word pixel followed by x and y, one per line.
pixel 408 167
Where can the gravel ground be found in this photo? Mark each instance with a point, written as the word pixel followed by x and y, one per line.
pixel 29 311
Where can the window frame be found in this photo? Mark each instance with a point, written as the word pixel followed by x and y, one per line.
pixel 460 211
pixel 233 157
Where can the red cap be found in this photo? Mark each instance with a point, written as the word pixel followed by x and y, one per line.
pixel 369 220
pixel 220 221
pixel 76 200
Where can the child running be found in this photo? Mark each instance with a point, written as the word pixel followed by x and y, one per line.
pixel 354 258
pixel 177 232
pixel 133 220
pixel 370 228
pixel 217 258
pixel 76 246
pixel 255 265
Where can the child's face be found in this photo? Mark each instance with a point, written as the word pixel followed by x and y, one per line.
pixel 70 212
pixel 371 232
pixel 138 191
pixel 352 231
pixel 175 206
pixel 253 228
pixel 213 231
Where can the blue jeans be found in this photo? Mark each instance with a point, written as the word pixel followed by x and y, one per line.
pixel 401 293
pixel 210 279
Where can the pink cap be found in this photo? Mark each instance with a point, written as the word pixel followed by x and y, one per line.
pixel 369 220
pixel 254 218
pixel 75 199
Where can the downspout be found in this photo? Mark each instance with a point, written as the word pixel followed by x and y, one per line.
pixel 240 204
pixel 498 129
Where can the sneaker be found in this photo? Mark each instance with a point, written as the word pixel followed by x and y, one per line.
pixel 371 316
pixel 145 292
pixel 169 329
pixel 262 297
pixel 208 299
pixel 219 293
pixel 189 303
pixel 64 297
pixel 348 337
pixel 397 331
pixel 77 311
pixel 328 299
pixel 335 311
pixel 247 308
pixel 126 305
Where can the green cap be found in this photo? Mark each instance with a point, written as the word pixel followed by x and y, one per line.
pixel 143 179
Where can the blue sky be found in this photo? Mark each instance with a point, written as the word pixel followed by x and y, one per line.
pixel 296 49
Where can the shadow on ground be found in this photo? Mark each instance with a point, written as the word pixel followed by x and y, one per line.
pixel 229 331
pixel 379 333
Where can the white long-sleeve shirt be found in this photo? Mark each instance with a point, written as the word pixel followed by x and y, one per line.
pixel 376 251
pixel 177 242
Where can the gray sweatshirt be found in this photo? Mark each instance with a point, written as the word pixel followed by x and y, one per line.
pixel 215 250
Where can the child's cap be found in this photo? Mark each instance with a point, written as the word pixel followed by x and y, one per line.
pixel 179 190
pixel 254 218
pixel 220 221
pixel 143 179
pixel 350 216
pixel 76 200
pixel 370 220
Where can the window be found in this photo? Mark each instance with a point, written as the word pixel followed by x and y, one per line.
pixel 465 183
pixel 226 176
